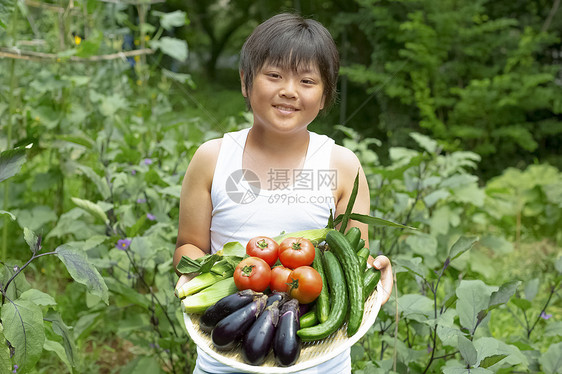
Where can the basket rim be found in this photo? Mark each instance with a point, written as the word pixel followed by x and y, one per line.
pixel 364 328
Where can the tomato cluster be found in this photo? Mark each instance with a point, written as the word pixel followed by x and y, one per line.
pixel 294 275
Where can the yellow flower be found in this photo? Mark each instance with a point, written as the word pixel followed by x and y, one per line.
pixel 77 40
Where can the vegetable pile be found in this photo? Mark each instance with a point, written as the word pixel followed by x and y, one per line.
pixel 277 292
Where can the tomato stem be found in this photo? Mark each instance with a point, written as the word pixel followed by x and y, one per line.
pixel 247 270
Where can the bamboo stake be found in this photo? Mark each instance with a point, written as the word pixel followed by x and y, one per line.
pixel 41 56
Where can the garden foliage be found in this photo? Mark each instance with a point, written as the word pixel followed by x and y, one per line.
pixel 93 155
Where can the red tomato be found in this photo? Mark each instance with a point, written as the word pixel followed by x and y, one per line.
pixel 279 278
pixel 295 252
pixel 264 248
pixel 252 273
pixel 305 284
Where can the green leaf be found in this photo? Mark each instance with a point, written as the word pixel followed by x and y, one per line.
pixel 23 328
pixel 532 288
pixel 10 160
pixel 522 304
pixel 491 360
pixel 473 297
pixel 458 370
pixel 422 244
pixel 53 346
pixel 558 264
pixel 31 239
pixel 6 9
pixel 5 361
pixel 98 181
pixel 553 328
pixel 173 19
pixel 82 271
pixel 91 208
pixel 425 142
pixel 142 365
pixel 463 244
pixel 350 204
pixel 551 360
pixel 415 307
pixel 370 220
pixel 172 47
pixel 38 297
pixel 503 295
pixel 188 265
pixel 62 330
pixel 413 265
pixel 468 352
pixel 233 249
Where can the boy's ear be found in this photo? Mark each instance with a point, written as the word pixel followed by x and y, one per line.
pixel 243 85
pixel 323 102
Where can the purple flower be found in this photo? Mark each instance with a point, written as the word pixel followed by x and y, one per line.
pixel 16 367
pixel 133 171
pixel 147 161
pixel 123 244
pixel 141 201
pixel 150 216
pixel 545 316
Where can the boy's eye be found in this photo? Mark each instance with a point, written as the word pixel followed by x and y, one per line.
pixel 308 81
pixel 274 75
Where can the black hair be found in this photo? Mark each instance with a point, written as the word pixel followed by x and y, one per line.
pixel 291 41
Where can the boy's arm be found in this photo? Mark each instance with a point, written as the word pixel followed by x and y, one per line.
pixel 347 165
pixel 194 235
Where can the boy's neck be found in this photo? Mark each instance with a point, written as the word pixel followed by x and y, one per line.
pixel 278 145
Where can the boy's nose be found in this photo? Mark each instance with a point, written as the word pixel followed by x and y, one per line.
pixel 288 90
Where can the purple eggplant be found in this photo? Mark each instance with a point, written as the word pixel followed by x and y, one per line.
pixel 286 342
pixel 277 296
pixel 259 337
pixel 226 306
pixel 232 328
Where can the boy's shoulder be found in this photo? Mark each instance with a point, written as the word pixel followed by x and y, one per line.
pixel 344 159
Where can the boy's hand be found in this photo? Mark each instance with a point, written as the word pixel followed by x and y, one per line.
pixel 382 263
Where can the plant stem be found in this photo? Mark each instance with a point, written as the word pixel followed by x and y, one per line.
pixel 553 290
pixel 5 289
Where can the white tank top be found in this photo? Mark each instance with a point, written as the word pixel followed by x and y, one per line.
pixel 242 211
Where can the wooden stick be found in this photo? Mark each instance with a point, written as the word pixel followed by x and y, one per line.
pixel 41 56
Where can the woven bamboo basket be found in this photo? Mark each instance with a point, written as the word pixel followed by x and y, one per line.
pixel 312 353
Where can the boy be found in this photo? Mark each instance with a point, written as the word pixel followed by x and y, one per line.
pixel 276 176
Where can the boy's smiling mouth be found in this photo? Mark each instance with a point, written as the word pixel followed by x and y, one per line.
pixel 285 108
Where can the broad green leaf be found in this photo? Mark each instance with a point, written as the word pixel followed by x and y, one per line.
pixel 36 217
pixel 31 239
pixel 473 297
pixel 425 142
pixel 173 19
pixel 10 160
pixel 233 249
pixel 413 265
pixel 497 244
pixel 466 371
pixel 532 288
pixel 432 198
pixel 62 330
pixel 99 182
pixel 522 304
pixel 23 328
pixel 467 350
pixel 448 335
pixel 53 346
pixel 172 47
pixel 503 295
pixel 38 297
pixel 82 271
pixel 82 140
pixel 422 244
pixel 491 360
pixel 174 191
pixel 5 361
pixel 463 244
pixel 91 208
pixel 553 328
pixel 551 360
pixel 488 347
pixel 416 307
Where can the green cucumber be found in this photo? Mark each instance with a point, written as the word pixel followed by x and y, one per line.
pixel 370 280
pixel 323 300
pixel 360 245
pixel 353 235
pixel 354 277
pixel 308 319
pixel 338 298
pixel 362 255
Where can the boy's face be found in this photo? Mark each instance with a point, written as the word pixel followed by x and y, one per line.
pixel 286 100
